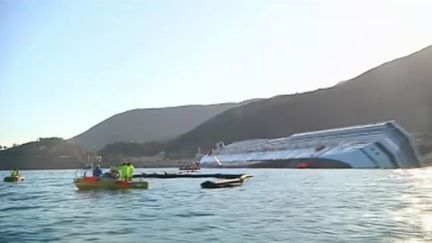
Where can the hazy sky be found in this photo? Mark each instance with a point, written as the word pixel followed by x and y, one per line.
pixel 67 65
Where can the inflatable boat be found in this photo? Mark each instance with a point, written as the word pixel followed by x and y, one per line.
pixel 13 178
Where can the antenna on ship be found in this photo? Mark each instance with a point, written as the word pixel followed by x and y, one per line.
pixel 217 161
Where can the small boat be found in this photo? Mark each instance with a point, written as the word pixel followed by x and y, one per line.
pixel 222 183
pixel 225 183
pixel 193 166
pixel 91 183
pixel 302 165
pixel 13 178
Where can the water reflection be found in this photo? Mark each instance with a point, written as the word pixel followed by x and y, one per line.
pixel 414 201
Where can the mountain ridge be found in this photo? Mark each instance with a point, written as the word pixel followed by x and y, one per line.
pixel 148 124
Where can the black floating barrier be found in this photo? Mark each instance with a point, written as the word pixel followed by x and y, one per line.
pixel 179 175
pixel 231 180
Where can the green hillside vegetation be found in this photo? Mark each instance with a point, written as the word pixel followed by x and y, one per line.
pixel 46 153
pixel 118 152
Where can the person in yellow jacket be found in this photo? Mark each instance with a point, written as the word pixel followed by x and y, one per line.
pixel 130 171
pixel 124 172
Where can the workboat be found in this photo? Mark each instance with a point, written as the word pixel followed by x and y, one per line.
pixel 13 178
pixel 91 183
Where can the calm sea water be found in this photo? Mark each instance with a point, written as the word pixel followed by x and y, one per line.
pixel 285 205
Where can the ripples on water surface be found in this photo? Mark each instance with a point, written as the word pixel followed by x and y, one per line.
pixel 276 205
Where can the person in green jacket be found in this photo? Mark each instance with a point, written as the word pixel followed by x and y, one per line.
pixel 14 173
pixel 130 171
pixel 124 172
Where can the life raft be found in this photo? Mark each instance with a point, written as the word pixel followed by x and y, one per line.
pixel 13 178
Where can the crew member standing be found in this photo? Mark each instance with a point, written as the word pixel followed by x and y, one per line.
pixel 14 173
pixel 124 172
pixel 130 171
pixel 97 172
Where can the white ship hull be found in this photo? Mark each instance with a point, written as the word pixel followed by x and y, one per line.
pixel 384 145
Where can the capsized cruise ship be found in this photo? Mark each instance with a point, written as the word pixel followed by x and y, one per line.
pixel 382 145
